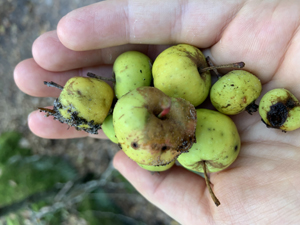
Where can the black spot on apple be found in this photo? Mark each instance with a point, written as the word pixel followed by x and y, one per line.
pixel 134 145
pixel 235 148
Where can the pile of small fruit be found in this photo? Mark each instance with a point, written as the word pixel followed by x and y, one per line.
pixel 154 112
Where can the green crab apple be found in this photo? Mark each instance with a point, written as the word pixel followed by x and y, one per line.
pixel 159 168
pixel 182 71
pixel 83 103
pixel 132 69
pixel 235 92
pixel 108 128
pixel 280 109
pixel 217 144
pixel 177 72
pixel 153 128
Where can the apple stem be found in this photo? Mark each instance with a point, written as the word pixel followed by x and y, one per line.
pixel 213 196
pixel 165 109
pixel 164 112
pixel 237 65
pixel 92 75
pixel 52 84
pixel 210 63
pixel 48 111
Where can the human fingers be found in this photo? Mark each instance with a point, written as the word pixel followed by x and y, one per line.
pixel 30 77
pixel 265 36
pixel 47 127
pixel 237 31
pixel 50 54
pixel 118 22
pixel 172 191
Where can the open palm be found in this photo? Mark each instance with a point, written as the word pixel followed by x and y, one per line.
pixel 263 185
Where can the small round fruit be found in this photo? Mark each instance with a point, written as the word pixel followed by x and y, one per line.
pixel 176 73
pixel 157 168
pixel 132 69
pixel 83 103
pixel 279 108
pixel 153 128
pixel 108 128
pixel 235 92
pixel 217 143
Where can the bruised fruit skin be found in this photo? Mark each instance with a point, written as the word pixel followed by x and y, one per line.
pixel 279 108
pixel 235 92
pixel 108 129
pixel 132 69
pixel 160 168
pixel 176 73
pixel 83 103
pixel 153 128
pixel 217 143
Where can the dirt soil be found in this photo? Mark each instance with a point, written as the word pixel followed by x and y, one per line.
pixel 21 22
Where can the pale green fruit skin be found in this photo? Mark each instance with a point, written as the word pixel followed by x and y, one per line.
pixel 218 143
pixel 89 98
pixel 108 128
pixel 157 168
pixel 234 91
pixel 274 96
pixel 143 136
pixel 175 73
pixel 132 69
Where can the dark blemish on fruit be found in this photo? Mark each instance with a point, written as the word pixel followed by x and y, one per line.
pixel 134 145
pixel 184 145
pixel 290 103
pixel 232 85
pixel 79 92
pixel 252 107
pixel 278 114
pixel 119 145
pixel 226 106
pixel 235 148
pixel 192 139
pixel 141 71
pixel 164 147
pixel 279 111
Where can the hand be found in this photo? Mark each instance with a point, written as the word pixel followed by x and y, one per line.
pixel 263 185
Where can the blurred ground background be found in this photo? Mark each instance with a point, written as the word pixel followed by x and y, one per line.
pixel 21 22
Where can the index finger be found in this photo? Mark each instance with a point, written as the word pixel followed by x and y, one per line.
pixel 118 22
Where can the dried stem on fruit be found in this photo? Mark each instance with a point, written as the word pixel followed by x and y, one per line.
pixel 52 84
pixel 237 65
pixel 165 109
pixel 89 74
pixel 215 199
pixel 210 63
